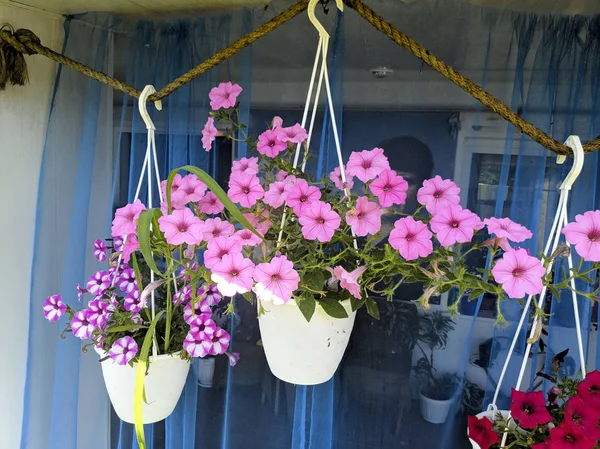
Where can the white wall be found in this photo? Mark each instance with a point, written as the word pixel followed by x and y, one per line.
pixel 23 116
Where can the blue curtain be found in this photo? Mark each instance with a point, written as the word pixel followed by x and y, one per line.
pixel 93 155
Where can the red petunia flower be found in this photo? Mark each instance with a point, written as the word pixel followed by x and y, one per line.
pixel 482 432
pixel 568 436
pixel 529 409
pixel 580 414
pixel 589 390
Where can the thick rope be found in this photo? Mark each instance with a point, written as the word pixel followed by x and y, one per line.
pixel 13 45
pixel 465 83
pixel 26 42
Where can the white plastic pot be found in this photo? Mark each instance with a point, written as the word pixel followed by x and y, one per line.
pixel 206 372
pixel 163 386
pixel 301 352
pixel 433 410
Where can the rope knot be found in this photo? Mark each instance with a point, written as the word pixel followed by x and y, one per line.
pixel 13 45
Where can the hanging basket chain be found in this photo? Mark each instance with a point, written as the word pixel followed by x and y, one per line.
pixel 15 44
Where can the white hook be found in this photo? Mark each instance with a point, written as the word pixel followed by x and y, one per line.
pixel 148 90
pixel 312 5
pixel 574 143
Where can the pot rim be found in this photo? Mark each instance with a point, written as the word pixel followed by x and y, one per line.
pixel 171 355
pixel 435 400
pixel 346 303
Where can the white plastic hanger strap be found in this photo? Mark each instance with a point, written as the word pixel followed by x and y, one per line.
pixel 560 220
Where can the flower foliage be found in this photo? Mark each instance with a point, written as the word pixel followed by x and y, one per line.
pixel 279 235
pixel 568 416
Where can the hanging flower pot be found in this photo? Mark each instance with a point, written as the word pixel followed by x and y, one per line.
pixel 206 372
pixel 304 352
pixel 163 386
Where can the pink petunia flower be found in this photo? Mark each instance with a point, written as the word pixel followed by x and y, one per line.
pixel 224 95
pixel 210 294
pixel 81 326
pixel 218 343
pixel 505 229
pixel 294 134
pixel 349 281
pixel 219 247
pixel 209 133
pixel 336 178
pixel 245 166
pixel 98 282
pixel 100 250
pixel 365 217
pixel 190 190
pixel 411 238
pixel 247 238
pixel 54 308
pixel 584 233
pixel 123 350
pixel 389 188
pixel 277 194
pixel 234 357
pixel 245 190
pixel 269 144
pixel 131 245
pixel 519 273
pixel 277 122
pixel 177 180
pixel 302 196
pixel 455 225
pixel 437 194
pixel 182 226
pixel 215 227
pixel 80 292
pixel 281 175
pixel 126 218
pixel 209 204
pixel 233 274
pixel 319 221
pixel 194 309
pixel 260 222
pixel 276 280
pixel 367 164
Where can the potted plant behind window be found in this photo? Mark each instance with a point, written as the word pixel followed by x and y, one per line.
pixel 436 390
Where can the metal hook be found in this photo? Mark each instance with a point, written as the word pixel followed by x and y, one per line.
pixel 574 143
pixel 148 90
pixel 312 5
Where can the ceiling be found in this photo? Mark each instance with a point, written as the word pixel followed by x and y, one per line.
pixel 161 6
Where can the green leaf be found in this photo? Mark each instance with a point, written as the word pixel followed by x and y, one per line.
pixel 372 308
pixel 248 297
pixel 554 291
pixel 143 231
pixel 125 328
pixel 215 188
pixel 307 305
pixel 356 303
pixel 315 280
pixel 475 293
pixel 139 381
pixel 333 308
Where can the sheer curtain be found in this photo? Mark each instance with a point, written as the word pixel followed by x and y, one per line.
pixel 546 67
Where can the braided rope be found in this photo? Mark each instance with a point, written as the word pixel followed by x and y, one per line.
pixel 465 83
pixel 14 44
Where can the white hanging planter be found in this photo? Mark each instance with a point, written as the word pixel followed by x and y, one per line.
pixel 206 372
pixel 163 386
pixel 433 410
pixel 301 352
